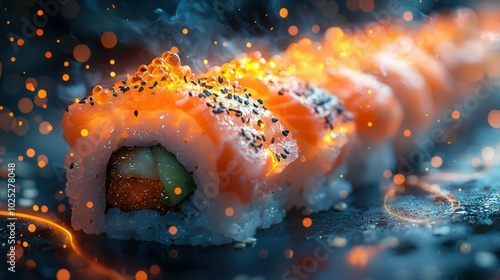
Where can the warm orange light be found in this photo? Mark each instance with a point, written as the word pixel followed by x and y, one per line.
pixel 48 55
pixel 185 31
pixel 39 32
pixel 84 132
pixel 307 222
pixel 154 269
pixel 30 152
pixel 399 179
pixel 360 255
pixel 31 228
pixel 172 230
pixel 89 204
pixel 63 274
pixel 89 260
pixel 293 30
pixel 436 161
pixel 229 211
pixel 81 53
pixel 288 253
pixel 408 16
pixel 494 118
pixel 177 190
pixel 407 133
pixel 109 40
pixel 44 209
pixel 65 77
pixel 283 12
pixel 455 115
pixel 141 275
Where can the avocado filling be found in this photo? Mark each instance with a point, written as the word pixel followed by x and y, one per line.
pixel 147 178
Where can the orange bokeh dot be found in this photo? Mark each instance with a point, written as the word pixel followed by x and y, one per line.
pixel 42 93
pixel 36 208
pixel 172 230
pixel 229 211
pixel 42 161
pixel 65 77
pixel 45 128
pixel 367 5
pixel 63 274
pixel 455 115
pixel 293 30
pixel 81 53
pixel 288 253
pixel 20 158
pixel 25 105
pixel 185 31
pixel 283 12
pixel 399 179
pixel 177 190
pixel 174 49
pixel 315 28
pixel 436 162
pixel 61 207
pixel 407 133
pixel 141 275
pixel 39 32
pixel 20 42
pixel 494 118
pixel 307 222
pixel 48 55
pixel 90 204
pixel 39 13
pixel 30 152
pixel 408 16
pixel 30 264
pixel 109 39
pixel 31 228
pixel 44 209
pixel 154 269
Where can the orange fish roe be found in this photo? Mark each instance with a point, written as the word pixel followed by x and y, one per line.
pixel 130 194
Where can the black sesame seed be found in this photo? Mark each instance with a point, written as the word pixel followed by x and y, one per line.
pixel 229 96
pixel 285 132
pixel 283 155
pixel 136 113
pixel 209 86
pixel 274 119
pixel 260 123
pixel 263 138
pixel 164 78
pixel 260 101
pixel 190 93
pixel 141 89
pixel 144 83
pixel 91 103
pixel 194 83
pixel 71 165
pixel 280 93
pixel 286 151
pixel 124 82
pixel 242 119
pixel 255 111
pixel 247 103
pixel 136 86
pixel 115 94
pixel 272 140
pixel 255 105
pixel 144 69
pixel 206 92
pixel 220 80
pixel 218 111
pixel 278 157
pixel 185 80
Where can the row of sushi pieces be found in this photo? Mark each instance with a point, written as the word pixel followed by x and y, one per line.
pixel 177 158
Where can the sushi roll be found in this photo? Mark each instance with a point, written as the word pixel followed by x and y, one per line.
pixel 164 156
pixel 317 119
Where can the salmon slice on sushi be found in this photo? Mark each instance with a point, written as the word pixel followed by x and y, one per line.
pixel 320 124
pixel 163 156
